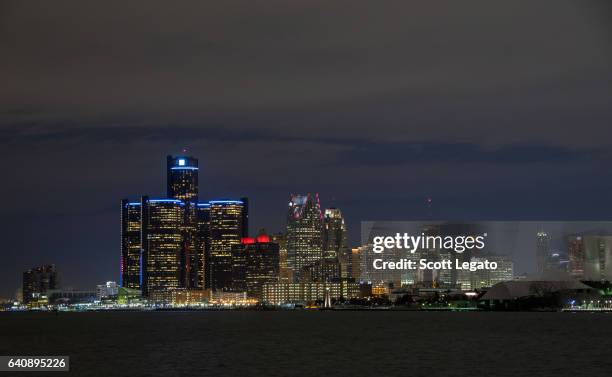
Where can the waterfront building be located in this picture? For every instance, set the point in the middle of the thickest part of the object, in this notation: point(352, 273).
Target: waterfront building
point(227, 220)
point(386, 276)
point(304, 232)
point(37, 281)
point(131, 248)
point(469, 280)
point(542, 249)
point(504, 271)
point(575, 250)
point(189, 297)
point(464, 280)
point(163, 257)
point(444, 277)
point(323, 270)
point(255, 262)
point(70, 296)
point(230, 298)
point(366, 258)
point(597, 257)
point(285, 293)
point(106, 290)
point(203, 244)
point(556, 262)
point(335, 241)
point(285, 273)
point(355, 264)
point(127, 296)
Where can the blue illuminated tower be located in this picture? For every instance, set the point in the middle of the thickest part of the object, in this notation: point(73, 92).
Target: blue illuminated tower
point(182, 175)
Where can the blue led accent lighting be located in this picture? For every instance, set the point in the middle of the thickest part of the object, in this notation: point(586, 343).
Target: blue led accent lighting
point(226, 202)
point(175, 201)
point(184, 168)
point(203, 204)
point(134, 204)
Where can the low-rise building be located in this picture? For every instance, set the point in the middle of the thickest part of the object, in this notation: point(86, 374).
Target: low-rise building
point(281, 293)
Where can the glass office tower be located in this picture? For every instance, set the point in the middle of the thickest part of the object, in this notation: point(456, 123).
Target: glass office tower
point(130, 245)
point(182, 176)
point(255, 262)
point(203, 234)
point(227, 219)
point(304, 232)
point(162, 244)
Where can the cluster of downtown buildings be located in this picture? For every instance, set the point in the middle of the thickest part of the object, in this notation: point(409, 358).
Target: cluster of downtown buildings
point(181, 250)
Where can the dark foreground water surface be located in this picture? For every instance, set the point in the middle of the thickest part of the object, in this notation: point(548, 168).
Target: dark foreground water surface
point(314, 343)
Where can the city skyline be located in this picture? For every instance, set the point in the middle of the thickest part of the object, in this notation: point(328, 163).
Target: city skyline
point(507, 124)
point(243, 187)
point(178, 198)
point(195, 232)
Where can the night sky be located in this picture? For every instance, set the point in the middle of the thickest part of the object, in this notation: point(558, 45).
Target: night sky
point(495, 110)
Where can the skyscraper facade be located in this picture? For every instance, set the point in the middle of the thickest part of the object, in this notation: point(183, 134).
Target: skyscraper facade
point(182, 178)
point(191, 253)
point(130, 245)
point(304, 232)
point(504, 271)
point(334, 234)
point(179, 242)
point(226, 230)
point(285, 273)
point(575, 251)
point(542, 250)
point(203, 234)
point(335, 241)
point(37, 281)
point(597, 257)
point(162, 244)
point(255, 262)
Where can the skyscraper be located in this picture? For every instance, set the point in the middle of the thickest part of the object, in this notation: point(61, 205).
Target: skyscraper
point(335, 241)
point(575, 251)
point(285, 273)
point(162, 244)
point(182, 184)
point(334, 234)
point(597, 257)
point(504, 271)
point(182, 177)
point(255, 262)
point(323, 270)
point(130, 245)
point(556, 262)
point(191, 253)
point(304, 232)
point(203, 248)
point(542, 250)
point(227, 218)
point(37, 281)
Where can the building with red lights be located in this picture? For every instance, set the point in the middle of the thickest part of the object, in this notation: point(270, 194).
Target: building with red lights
point(255, 262)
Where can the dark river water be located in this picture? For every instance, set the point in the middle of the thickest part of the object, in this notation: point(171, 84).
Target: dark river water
point(314, 343)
